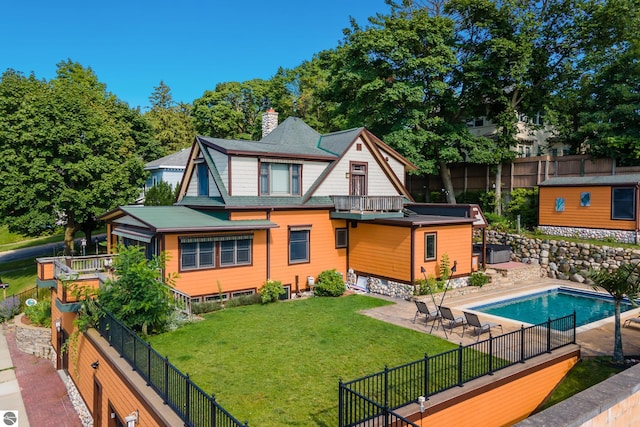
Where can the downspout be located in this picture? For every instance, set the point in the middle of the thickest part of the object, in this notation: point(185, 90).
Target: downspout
point(413, 262)
point(268, 249)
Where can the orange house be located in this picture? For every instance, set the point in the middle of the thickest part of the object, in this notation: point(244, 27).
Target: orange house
point(591, 206)
point(290, 206)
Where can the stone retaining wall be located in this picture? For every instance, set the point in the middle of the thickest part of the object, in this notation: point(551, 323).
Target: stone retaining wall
point(560, 259)
point(34, 340)
point(623, 236)
point(402, 290)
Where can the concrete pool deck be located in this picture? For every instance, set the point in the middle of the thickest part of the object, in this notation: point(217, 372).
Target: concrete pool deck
point(596, 340)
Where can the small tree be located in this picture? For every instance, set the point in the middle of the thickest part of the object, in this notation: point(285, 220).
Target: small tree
point(161, 194)
point(621, 283)
point(271, 291)
point(138, 296)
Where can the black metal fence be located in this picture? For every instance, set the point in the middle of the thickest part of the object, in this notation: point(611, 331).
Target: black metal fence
point(195, 407)
point(372, 399)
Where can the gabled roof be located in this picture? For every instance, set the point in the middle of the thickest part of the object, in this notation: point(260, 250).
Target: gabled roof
point(179, 219)
point(172, 161)
point(631, 179)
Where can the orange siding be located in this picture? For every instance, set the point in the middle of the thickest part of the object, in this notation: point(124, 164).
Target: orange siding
point(505, 405)
point(381, 250)
point(453, 240)
point(247, 215)
point(205, 282)
point(598, 215)
point(45, 270)
point(322, 247)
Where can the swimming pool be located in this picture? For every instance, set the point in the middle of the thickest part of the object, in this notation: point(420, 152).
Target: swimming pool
point(554, 303)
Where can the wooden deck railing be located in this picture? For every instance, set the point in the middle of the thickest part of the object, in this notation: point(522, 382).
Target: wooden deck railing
point(368, 203)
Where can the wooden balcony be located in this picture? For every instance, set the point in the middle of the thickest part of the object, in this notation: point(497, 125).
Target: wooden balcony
point(367, 207)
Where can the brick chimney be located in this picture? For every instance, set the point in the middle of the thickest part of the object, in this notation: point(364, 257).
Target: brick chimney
point(269, 121)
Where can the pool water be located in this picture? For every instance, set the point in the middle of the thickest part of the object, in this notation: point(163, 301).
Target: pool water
point(537, 308)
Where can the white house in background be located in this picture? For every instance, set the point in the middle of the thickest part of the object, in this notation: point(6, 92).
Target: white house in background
point(168, 169)
point(532, 137)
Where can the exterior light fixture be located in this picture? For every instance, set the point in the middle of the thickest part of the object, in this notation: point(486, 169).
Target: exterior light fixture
point(95, 364)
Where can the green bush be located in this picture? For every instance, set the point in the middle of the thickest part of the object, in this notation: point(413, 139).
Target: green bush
point(497, 222)
point(205, 307)
point(478, 279)
point(271, 291)
point(244, 300)
point(330, 284)
point(423, 286)
point(40, 314)
point(524, 202)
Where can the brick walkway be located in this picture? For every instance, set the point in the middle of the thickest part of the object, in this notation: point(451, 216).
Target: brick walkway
point(43, 391)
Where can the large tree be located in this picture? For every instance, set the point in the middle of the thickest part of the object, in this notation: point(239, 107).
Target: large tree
point(69, 151)
point(394, 77)
point(171, 122)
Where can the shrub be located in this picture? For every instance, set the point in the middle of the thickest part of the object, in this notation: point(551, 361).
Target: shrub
point(497, 222)
point(205, 307)
point(524, 202)
point(244, 300)
point(9, 307)
point(40, 314)
point(271, 291)
point(423, 286)
point(478, 279)
point(330, 284)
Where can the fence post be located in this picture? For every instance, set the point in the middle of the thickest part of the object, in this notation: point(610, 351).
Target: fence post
point(340, 403)
point(548, 334)
point(425, 392)
point(386, 395)
point(186, 400)
point(522, 344)
point(460, 365)
point(166, 379)
point(213, 410)
point(490, 353)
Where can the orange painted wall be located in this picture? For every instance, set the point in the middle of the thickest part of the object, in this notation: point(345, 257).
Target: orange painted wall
point(45, 270)
point(505, 405)
point(385, 251)
point(247, 215)
point(381, 250)
point(453, 240)
point(322, 247)
point(205, 282)
point(598, 215)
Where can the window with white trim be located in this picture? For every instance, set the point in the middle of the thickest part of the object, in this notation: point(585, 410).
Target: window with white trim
point(279, 179)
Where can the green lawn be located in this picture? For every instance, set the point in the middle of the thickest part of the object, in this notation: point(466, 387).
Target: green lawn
point(20, 275)
point(279, 364)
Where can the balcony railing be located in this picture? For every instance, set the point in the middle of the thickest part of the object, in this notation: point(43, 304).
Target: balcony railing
point(368, 203)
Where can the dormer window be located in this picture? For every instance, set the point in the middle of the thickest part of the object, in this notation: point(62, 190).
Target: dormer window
point(279, 179)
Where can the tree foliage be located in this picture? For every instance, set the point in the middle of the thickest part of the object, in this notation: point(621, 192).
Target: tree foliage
point(172, 123)
point(139, 295)
point(161, 194)
point(624, 282)
point(69, 151)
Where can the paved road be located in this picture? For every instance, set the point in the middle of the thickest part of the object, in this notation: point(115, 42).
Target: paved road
point(48, 249)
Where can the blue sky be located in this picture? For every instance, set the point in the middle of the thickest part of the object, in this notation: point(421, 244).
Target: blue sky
point(191, 45)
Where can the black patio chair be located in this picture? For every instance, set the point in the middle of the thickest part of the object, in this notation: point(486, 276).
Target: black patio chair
point(423, 309)
point(479, 327)
point(451, 320)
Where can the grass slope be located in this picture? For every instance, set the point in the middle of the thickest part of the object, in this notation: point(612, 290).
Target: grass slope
point(279, 364)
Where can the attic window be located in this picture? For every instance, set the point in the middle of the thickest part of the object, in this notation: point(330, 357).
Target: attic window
point(358, 147)
point(279, 179)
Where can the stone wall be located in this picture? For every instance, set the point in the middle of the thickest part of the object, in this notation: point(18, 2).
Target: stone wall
point(402, 290)
point(623, 236)
point(560, 259)
point(34, 340)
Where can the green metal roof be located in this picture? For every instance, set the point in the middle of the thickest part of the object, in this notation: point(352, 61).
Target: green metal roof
point(182, 218)
point(630, 179)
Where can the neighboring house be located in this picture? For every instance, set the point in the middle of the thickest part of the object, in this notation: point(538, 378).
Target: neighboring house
point(533, 137)
point(591, 207)
point(168, 169)
point(290, 206)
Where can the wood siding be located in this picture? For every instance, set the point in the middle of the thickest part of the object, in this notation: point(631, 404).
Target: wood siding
point(245, 176)
point(311, 171)
point(378, 183)
point(502, 406)
point(222, 164)
point(322, 247)
point(453, 240)
point(205, 282)
point(598, 215)
point(381, 250)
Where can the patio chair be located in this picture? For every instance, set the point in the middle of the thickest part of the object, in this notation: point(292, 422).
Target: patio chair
point(631, 320)
point(451, 320)
point(479, 327)
point(423, 309)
